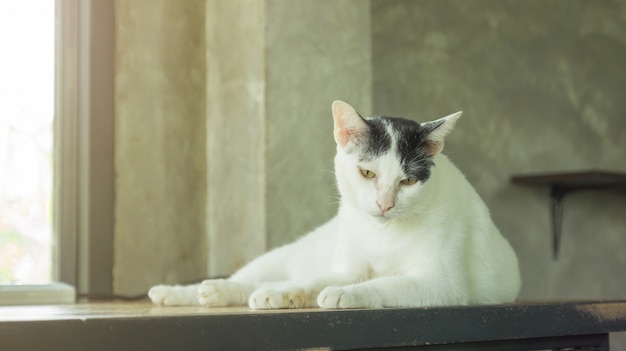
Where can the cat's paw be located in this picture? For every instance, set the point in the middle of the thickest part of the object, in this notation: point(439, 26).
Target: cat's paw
point(284, 297)
point(220, 293)
point(158, 294)
point(167, 295)
point(341, 297)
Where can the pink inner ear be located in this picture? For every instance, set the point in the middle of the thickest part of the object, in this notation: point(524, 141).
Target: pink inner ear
point(343, 136)
point(348, 124)
point(433, 147)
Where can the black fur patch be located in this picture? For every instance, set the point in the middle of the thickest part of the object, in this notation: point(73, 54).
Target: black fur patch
point(377, 141)
point(411, 137)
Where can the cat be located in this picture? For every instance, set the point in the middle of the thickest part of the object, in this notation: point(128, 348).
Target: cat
point(410, 232)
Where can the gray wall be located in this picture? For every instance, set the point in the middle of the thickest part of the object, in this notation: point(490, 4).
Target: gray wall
point(160, 143)
point(223, 129)
point(317, 52)
point(273, 72)
point(542, 85)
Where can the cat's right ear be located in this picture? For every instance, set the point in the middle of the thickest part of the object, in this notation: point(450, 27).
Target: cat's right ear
point(349, 125)
point(437, 130)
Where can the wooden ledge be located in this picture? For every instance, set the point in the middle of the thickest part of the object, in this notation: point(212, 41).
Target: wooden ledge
point(138, 326)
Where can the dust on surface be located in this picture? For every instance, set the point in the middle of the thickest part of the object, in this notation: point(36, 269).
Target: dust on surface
point(605, 312)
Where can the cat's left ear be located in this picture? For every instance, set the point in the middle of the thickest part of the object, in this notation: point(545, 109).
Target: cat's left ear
point(349, 125)
point(437, 131)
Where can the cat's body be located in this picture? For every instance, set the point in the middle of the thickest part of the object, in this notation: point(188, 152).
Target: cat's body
point(410, 231)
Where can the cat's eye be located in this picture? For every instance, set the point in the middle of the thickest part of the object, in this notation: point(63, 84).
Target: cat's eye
point(367, 173)
point(408, 181)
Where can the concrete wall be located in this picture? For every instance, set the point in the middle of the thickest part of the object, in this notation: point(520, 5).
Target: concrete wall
point(273, 71)
point(541, 84)
point(234, 95)
point(317, 52)
point(160, 157)
point(235, 132)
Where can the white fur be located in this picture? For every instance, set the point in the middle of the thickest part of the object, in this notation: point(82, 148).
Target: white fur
point(436, 246)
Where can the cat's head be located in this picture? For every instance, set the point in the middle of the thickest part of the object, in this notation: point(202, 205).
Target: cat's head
point(382, 163)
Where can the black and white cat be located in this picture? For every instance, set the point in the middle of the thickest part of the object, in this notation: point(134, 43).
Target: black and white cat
point(410, 231)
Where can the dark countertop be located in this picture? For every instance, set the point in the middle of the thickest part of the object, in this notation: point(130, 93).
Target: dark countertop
point(140, 325)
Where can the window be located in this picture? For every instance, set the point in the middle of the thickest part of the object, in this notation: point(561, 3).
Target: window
point(84, 144)
point(26, 124)
point(80, 160)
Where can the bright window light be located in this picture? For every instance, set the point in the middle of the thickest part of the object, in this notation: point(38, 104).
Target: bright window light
point(26, 140)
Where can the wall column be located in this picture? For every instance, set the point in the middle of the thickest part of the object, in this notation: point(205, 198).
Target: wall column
point(235, 35)
point(160, 144)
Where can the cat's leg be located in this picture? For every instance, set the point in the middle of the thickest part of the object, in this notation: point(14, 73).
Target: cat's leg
point(294, 294)
point(227, 292)
point(267, 271)
point(271, 266)
point(395, 291)
point(285, 295)
point(224, 292)
point(210, 293)
point(174, 295)
point(235, 291)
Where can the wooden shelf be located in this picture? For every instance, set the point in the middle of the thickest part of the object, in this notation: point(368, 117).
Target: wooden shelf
point(566, 182)
point(143, 326)
point(583, 179)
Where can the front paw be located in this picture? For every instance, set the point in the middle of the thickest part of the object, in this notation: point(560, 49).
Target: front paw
point(274, 298)
point(338, 297)
point(220, 293)
point(163, 295)
point(213, 293)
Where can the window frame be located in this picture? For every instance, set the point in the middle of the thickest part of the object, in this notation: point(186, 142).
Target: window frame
point(84, 173)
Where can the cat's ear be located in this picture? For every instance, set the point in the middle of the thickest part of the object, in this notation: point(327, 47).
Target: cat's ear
point(349, 125)
point(437, 131)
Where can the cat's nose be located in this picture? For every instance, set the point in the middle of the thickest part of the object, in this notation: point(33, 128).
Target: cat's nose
point(385, 205)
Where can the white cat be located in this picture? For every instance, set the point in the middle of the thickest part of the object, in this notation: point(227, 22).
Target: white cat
point(410, 231)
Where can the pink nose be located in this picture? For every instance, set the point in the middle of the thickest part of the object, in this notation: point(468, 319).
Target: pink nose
point(385, 205)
